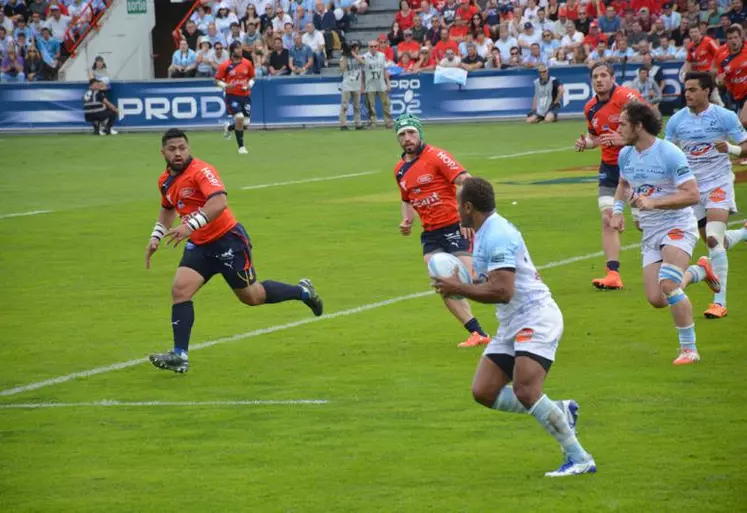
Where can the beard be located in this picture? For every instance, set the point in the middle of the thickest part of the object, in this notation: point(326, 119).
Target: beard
point(180, 166)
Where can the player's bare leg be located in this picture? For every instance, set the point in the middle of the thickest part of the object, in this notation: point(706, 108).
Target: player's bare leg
point(611, 248)
point(461, 309)
point(186, 284)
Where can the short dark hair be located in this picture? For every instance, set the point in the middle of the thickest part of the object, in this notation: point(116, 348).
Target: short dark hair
point(479, 192)
point(645, 115)
point(705, 79)
point(600, 64)
point(173, 133)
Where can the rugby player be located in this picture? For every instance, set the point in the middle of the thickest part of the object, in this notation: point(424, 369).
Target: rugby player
point(702, 131)
point(701, 54)
point(215, 244)
point(602, 117)
point(427, 178)
point(236, 77)
point(663, 189)
point(731, 70)
point(531, 326)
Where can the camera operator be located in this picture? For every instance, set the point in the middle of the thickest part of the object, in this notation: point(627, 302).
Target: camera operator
point(98, 110)
point(351, 65)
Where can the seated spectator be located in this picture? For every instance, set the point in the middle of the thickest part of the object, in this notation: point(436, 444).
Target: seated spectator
point(463, 45)
point(33, 66)
point(572, 9)
point(428, 13)
point(593, 37)
point(505, 41)
point(548, 96)
point(559, 59)
point(235, 34)
point(202, 18)
point(279, 59)
point(21, 28)
point(11, 69)
point(267, 17)
point(395, 35)
point(223, 19)
point(483, 45)
point(448, 13)
point(459, 30)
point(514, 59)
point(251, 17)
point(280, 21)
point(37, 6)
point(409, 45)
point(433, 35)
point(59, 5)
point(492, 15)
point(535, 57)
point(22, 45)
point(600, 54)
point(572, 38)
point(494, 59)
point(418, 30)
point(610, 22)
point(192, 34)
point(426, 60)
point(387, 50)
point(477, 26)
point(548, 45)
point(288, 35)
point(405, 16)
point(656, 33)
point(681, 54)
point(215, 36)
point(579, 55)
point(671, 18)
point(268, 37)
point(218, 57)
point(15, 9)
point(645, 20)
point(472, 61)
point(315, 40)
point(692, 14)
point(259, 58)
point(621, 53)
point(301, 58)
point(737, 13)
point(99, 72)
point(466, 10)
point(530, 12)
point(636, 35)
point(407, 63)
point(712, 14)
point(56, 22)
point(6, 42)
point(560, 27)
point(444, 44)
point(528, 38)
point(666, 51)
point(643, 51)
point(646, 85)
point(49, 47)
point(450, 60)
point(681, 32)
point(583, 23)
point(301, 17)
point(183, 62)
point(719, 32)
point(205, 66)
point(252, 34)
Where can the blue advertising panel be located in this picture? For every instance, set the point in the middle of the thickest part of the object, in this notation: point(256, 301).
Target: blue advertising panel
point(298, 101)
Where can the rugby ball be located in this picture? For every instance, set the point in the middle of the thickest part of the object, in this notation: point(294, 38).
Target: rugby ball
point(442, 265)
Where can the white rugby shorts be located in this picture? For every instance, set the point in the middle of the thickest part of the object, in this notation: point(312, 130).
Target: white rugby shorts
point(538, 332)
point(683, 236)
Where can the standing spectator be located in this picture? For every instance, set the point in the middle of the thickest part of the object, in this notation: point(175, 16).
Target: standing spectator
point(648, 88)
point(352, 85)
point(494, 60)
point(450, 60)
point(11, 69)
point(610, 22)
point(527, 38)
point(99, 71)
point(666, 50)
point(535, 57)
point(301, 58)
point(405, 15)
point(395, 35)
point(377, 84)
point(33, 66)
point(472, 61)
point(183, 62)
point(418, 30)
point(98, 110)
point(279, 60)
point(671, 18)
point(548, 95)
point(49, 47)
point(315, 40)
point(205, 67)
point(192, 34)
point(57, 23)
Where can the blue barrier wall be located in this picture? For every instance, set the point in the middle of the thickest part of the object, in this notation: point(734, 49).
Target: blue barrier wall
point(296, 101)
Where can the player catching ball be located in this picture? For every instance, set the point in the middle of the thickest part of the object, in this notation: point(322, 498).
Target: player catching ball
point(427, 178)
point(215, 244)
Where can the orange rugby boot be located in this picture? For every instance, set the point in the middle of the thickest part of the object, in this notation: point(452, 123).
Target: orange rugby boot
point(475, 339)
point(710, 277)
point(715, 311)
point(686, 357)
point(610, 282)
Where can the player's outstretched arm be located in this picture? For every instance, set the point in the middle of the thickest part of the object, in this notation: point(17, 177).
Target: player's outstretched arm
point(166, 218)
point(497, 288)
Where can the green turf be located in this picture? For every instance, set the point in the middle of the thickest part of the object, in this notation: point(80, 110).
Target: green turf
point(400, 432)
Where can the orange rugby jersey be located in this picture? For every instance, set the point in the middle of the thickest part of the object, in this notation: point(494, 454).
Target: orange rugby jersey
point(237, 75)
point(427, 183)
point(605, 117)
point(189, 191)
point(701, 56)
point(734, 68)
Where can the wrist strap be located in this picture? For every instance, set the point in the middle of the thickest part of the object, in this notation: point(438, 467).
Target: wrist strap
point(159, 231)
point(734, 149)
point(197, 220)
point(619, 207)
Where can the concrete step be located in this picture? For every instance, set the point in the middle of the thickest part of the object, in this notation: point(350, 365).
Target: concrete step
point(375, 20)
point(331, 72)
point(364, 36)
point(382, 5)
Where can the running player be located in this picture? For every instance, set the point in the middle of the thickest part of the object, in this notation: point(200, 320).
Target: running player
point(427, 178)
point(731, 69)
point(215, 244)
point(663, 189)
point(701, 54)
point(701, 131)
point(602, 117)
point(531, 326)
point(236, 78)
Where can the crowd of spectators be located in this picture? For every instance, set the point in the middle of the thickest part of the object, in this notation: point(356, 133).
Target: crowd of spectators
point(35, 35)
point(527, 33)
point(281, 37)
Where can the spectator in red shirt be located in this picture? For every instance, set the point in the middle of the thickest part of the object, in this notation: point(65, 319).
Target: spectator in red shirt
point(439, 51)
point(408, 46)
point(405, 15)
point(426, 61)
point(384, 48)
point(406, 63)
point(459, 30)
point(654, 6)
point(591, 41)
point(571, 10)
point(465, 11)
point(644, 18)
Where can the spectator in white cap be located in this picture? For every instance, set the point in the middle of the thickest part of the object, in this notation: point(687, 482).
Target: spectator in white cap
point(527, 38)
point(224, 18)
point(205, 59)
point(56, 22)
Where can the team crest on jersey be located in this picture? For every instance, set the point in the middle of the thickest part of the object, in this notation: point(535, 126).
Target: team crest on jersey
point(180, 204)
point(594, 122)
point(646, 190)
point(614, 118)
point(187, 192)
point(424, 179)
point(524, 335)
point(697, 150)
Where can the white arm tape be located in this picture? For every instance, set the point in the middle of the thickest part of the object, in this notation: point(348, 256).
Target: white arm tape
point(251, 83)
point(589, 142)
point(197, 220)
point(734, 149)
point(221, 84)
point(159, 231)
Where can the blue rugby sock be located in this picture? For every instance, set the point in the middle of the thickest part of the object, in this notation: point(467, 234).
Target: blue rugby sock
point(687, 337)
point(720, 264)
point(473, 325)
point(552, 419)
point(182, 319)
point(277, 292)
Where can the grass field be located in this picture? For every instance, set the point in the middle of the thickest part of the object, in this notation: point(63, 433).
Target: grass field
point(399, 430)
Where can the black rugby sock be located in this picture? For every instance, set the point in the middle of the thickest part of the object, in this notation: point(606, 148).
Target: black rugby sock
point(473, 325)
point(239, 137)
point(277, 292)
point(182, 319)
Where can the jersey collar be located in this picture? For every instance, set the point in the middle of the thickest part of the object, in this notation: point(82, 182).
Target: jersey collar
point(612, 91)
point(417, 153)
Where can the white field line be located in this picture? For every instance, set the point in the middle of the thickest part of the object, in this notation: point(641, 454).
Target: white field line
point(307, 180)
point(106, 404)
point(533, 152)
point(23, 214)
point(273, 329)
